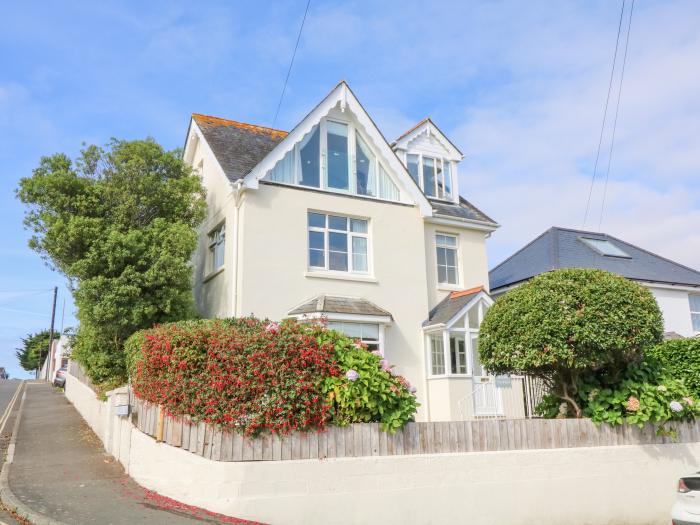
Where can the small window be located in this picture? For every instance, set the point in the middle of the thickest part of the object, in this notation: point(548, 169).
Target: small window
point(412, 165)
point(458, 354)
point(429, 176)
point(437, 355)
point(338, 243)
point(309, 160)
point(695, 311)
point(217, 243)
point(368, 333)
point(446, 246)
point(605, 247)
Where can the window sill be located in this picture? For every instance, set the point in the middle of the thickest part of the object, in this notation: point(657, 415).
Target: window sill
point(451, 376)
point(340, 276)
point(444, 287)
point(213, 274)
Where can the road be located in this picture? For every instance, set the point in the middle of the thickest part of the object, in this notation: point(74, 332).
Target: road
point(8, 389)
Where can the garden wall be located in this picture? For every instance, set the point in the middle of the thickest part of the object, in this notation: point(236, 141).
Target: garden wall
point(593, 483)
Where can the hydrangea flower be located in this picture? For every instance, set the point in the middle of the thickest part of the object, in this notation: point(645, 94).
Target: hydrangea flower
point(632, 404)
point(412, 389)
point(377, 353)
point(385, 365)
point(352, 375)
point(358, 345)
point(272, 327)
point(688, 401)
point(675, 406)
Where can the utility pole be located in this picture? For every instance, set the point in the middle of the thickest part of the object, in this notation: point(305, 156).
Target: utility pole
point(53, 318)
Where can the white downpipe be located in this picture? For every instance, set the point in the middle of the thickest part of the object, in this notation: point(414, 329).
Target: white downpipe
point(238, 190)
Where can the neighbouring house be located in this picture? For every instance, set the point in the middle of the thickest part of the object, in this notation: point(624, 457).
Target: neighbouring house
point(329, 220)
point(675, 286)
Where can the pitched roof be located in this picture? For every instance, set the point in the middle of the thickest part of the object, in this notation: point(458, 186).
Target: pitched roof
point(463, 210)
point(238, 146)
point(450, 306)
point(426, 120)
point(327, 304)
point(563, 248)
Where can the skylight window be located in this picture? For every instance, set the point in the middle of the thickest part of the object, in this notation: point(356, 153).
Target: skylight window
point(605, 247)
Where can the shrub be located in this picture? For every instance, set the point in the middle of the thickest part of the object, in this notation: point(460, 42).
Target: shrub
point(681, 360)
point(250, 375)
point(368, 390)
point(563, 324)
point(641, 394)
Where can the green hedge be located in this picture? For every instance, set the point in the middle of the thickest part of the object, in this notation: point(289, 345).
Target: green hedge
point(254, 375)
point(681, 360)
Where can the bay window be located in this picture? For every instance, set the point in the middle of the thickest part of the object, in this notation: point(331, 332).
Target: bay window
point(338, 243)
point(335, 156)
point(367, 333)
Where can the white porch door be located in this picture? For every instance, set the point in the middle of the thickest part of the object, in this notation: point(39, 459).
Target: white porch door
point(487, 396)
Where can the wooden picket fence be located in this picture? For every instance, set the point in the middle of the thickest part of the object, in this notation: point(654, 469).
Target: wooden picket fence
point(366, 439)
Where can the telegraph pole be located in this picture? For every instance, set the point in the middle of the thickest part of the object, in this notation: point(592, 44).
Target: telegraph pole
point(53, 318)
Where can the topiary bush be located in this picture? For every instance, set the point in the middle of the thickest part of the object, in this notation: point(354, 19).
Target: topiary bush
point(566, 323)
point(681, 360)
point(250, 376)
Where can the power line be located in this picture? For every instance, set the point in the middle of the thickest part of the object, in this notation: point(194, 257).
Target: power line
point(617, 110)
point(605, 114)
point(291, 63)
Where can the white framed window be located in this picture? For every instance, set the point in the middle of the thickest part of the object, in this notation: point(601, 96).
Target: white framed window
point(447, 265)
point(338, 243)
point(694, 300)
point(368, 333)
point(433, 174)
point(217, 244)
point(437, 355)
point(454, 351)
point(334, 156)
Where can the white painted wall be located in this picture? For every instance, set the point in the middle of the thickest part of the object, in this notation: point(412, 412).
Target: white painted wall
point(675, 307)
point(621, 485)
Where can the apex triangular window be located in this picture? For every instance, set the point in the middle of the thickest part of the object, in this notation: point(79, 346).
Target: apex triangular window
point(335, 156)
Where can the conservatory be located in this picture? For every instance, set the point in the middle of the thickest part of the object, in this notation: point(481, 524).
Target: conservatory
point(458, 386)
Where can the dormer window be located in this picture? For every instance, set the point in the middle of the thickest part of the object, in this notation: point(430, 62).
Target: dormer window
point(334, 156)
point(432, 174)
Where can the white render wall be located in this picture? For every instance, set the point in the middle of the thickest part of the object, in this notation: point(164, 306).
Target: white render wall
point(675, 307)
point(275, 277)
point(620, 485)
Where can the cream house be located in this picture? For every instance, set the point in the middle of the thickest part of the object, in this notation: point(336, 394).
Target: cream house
point(330, 220)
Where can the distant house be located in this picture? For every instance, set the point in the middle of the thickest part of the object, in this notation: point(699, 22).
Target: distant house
point(675, 286)
point(331, 220)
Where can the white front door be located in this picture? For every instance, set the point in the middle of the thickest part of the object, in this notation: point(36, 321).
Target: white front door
point(487, 396)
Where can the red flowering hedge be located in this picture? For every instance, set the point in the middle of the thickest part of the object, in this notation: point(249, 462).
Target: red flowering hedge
point(250, 375)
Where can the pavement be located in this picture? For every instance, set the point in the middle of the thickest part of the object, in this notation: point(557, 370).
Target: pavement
point(59, 472)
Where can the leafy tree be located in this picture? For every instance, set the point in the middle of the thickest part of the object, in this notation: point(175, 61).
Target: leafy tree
point(566, 323)
point(120, 223)
point(34, 349)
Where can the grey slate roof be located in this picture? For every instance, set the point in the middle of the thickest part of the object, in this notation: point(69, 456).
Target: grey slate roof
point(237, 146)
point(338, 305)
point(463, 210)
point(563, 248)
point(446, 309)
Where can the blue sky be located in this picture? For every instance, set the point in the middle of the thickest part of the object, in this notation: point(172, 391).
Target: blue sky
point(518, 86)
